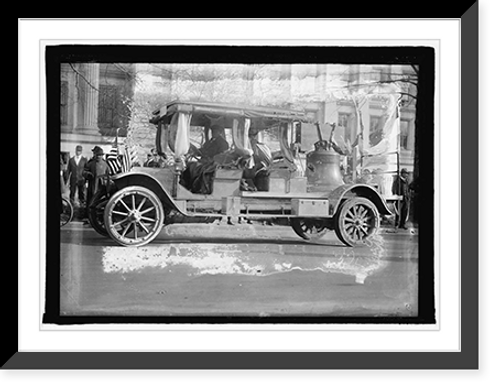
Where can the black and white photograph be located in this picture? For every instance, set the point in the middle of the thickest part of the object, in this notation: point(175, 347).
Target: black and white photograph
point(230, 184)
point(223, 196)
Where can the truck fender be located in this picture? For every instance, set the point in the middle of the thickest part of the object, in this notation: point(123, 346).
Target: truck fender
point(344, 192)
point(143, 179)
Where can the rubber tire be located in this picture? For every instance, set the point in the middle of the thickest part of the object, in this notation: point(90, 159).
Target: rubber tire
point(95, 219)
point(296, 225)
point(341, 224)
point(154, 199)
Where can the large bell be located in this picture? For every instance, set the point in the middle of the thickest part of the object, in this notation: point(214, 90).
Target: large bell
point(323, 170)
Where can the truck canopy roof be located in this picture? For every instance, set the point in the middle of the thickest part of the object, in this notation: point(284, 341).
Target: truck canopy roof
point(201, 110)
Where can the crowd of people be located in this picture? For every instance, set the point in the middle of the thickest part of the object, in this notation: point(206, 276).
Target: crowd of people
point(84, 177)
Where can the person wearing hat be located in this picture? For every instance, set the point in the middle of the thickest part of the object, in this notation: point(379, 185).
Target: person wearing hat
point(95, 171)
point(75, 173)
point(401, 188)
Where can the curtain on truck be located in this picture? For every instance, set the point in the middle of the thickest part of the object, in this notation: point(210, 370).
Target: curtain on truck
point(176, 135)
point(241, 140)
point(285, 135)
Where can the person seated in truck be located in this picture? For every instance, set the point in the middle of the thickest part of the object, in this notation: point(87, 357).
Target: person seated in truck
point(198, 176)
point(256, 176)
point(216, 145)
point(154, 160)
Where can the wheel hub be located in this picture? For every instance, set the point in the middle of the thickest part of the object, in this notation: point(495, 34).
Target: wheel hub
point(134, 216)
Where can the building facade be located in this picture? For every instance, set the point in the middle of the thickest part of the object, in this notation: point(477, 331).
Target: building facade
point(100, 100)
point(94, 105)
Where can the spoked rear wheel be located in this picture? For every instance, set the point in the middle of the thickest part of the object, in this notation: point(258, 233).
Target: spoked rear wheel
point(309, 229)
point(96, 212)
point(66, 212)
point(356, 221)
point(134, 216)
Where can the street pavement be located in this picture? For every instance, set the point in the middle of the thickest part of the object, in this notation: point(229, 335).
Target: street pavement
point(254, 270)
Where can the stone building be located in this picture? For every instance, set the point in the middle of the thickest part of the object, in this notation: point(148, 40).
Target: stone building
point(98, 99)
point(94, 104)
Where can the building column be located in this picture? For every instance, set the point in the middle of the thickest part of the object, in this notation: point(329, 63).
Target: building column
point(87, 84)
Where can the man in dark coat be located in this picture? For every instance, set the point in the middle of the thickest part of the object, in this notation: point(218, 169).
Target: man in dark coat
point(95, 172)
point(75, 172)
point(217, 144)
point(401, 188)
point(201, 172)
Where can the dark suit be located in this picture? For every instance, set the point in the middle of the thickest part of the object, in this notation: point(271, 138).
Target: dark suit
point(76, 180)
point(213, 147)
point(198, 177)
point(400, 187)
point(95, 172)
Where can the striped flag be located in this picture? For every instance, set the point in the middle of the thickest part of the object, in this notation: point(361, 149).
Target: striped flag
point(121, 162)
point(134, 157)
point(130, 157)
point(127, 163)
point(113, 160)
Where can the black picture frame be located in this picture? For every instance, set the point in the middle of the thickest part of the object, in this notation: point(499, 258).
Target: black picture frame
point(466, 358)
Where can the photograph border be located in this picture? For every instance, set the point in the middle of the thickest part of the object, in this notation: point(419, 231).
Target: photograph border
point(425, 57)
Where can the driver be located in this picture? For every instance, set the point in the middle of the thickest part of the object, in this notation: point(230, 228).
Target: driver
point(200, 172)
point(217, 144)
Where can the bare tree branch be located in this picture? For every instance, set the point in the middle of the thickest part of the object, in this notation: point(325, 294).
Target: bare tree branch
point(384, 82)
point(132, 75)
point(83, 77)
point(415, 83)
point(408, 94)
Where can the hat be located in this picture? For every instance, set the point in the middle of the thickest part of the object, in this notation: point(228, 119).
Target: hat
point(404, 171)
point(98, 150)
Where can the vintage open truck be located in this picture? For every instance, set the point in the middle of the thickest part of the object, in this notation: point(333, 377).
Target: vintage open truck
point(309, 193)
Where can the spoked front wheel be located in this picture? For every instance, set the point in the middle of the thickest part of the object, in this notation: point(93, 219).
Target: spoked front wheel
point(356, 221)
point(134, 216)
